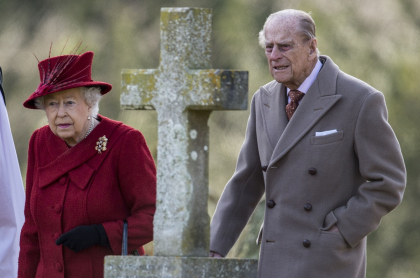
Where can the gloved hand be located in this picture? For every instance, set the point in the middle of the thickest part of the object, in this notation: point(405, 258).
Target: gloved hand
point(83, 237)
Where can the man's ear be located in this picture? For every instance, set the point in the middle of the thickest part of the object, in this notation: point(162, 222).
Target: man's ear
point(312, 48)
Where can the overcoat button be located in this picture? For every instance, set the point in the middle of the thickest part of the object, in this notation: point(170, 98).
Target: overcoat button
point(307, 206)
point(57, 208)
point(56, 236)
point(270, 204)
point(58, 267)
point(306, 243)
point(62, 180)
point(264, 168)
point(312, 171)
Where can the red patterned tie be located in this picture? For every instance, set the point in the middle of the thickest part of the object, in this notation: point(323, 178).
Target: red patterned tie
point(295, 97)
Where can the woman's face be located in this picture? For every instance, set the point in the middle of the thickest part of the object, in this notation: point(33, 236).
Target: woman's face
point(67, 114)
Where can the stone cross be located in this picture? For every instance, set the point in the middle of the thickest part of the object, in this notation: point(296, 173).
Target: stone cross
point(183, 90)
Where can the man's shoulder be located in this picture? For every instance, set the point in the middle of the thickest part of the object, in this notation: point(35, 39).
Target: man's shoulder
point(345, 83)
point(347, 80)
point(350, 85)
point(270, 87)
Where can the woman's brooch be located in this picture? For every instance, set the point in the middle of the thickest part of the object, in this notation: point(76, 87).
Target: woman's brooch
point(101, 144)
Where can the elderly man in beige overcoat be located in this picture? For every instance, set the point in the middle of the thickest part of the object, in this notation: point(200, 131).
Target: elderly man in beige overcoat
point(319, 145)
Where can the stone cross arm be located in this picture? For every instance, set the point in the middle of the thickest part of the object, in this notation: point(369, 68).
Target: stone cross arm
point(207, 89)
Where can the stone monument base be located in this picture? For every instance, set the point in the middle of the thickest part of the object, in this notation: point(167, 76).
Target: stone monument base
point(178, 267)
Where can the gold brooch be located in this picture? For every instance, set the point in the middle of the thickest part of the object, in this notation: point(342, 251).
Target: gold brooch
point(101, 144)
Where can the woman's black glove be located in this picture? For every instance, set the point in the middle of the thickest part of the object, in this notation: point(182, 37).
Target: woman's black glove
point(83, 237)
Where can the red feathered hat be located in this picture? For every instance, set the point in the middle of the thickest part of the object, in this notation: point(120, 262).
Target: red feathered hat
point(65, 72)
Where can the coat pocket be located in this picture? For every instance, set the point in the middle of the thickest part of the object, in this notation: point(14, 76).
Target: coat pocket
point(327, 139)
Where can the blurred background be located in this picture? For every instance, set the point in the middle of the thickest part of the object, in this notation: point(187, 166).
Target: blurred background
point(377, 41)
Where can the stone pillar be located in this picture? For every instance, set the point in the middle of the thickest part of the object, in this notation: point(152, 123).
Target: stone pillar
point(183, 90)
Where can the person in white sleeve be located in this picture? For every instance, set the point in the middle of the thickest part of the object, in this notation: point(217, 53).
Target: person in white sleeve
point(12, 196)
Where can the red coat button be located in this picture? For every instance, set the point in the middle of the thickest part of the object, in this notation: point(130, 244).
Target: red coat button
point(62, 180)
point(58, 267)
point(57, 208)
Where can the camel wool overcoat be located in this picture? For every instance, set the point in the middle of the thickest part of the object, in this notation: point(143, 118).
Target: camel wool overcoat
point(67, 188)
point(350, 178)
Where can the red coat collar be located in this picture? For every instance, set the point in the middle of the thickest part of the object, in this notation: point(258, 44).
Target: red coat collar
point(72, 161)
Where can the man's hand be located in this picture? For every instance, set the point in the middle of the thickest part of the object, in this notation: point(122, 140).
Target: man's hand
point(334, 229)
point(215, 255)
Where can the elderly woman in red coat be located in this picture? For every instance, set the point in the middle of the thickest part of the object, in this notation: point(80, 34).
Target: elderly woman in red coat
point(87, 174)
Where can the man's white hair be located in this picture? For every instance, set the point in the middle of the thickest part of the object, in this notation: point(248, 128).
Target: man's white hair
point(306, 26)
point(91, 95)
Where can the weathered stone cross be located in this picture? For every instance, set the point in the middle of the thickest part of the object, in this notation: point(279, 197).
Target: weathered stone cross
point(184, 90)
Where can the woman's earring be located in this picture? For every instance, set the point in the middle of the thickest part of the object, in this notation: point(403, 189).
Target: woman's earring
point(88, 117)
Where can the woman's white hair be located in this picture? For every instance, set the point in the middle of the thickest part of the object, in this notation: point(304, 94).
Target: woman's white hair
point(91, 95)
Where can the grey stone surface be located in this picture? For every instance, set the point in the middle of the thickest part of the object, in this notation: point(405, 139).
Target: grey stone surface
point(178, 267)
point(184, 91)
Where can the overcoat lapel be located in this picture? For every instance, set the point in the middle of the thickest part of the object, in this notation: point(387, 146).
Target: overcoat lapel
point(69, 160)
point(273, 103)
point(320, 97)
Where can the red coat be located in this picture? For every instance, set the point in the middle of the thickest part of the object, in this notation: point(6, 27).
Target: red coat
point(66, 188)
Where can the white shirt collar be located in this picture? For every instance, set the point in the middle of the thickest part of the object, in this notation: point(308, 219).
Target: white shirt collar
point(304, 87)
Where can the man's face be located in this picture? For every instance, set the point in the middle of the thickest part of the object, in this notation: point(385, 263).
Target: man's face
point(290, 59)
